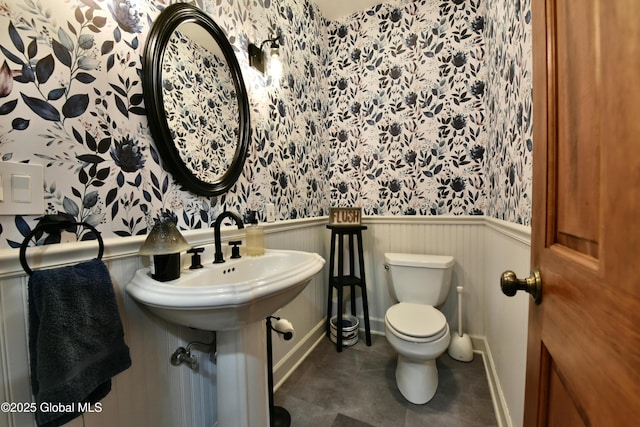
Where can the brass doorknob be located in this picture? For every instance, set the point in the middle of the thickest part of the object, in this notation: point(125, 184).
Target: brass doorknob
point(510, 284)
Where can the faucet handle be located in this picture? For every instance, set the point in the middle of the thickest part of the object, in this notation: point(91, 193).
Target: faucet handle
point(235, 250)
point(195, 258)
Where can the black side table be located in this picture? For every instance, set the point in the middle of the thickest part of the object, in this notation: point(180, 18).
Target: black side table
point(342, 279)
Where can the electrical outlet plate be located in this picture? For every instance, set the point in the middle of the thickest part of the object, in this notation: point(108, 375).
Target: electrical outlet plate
point(270, 212)
point(22, 189)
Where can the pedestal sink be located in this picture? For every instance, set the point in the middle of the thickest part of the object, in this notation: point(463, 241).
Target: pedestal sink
point(233, 298)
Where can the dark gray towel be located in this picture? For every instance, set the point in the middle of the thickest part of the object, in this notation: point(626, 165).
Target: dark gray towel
point(76, 342)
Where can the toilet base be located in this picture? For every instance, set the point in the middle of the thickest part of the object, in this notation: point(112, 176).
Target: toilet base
point(417, 380)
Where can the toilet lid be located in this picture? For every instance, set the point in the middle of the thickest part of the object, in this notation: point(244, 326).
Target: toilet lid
point(416, 320)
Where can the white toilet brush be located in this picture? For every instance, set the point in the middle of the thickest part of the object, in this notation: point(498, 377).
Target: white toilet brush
point(460, 347)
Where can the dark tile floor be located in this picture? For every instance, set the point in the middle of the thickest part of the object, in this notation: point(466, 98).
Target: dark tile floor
point(356, 388)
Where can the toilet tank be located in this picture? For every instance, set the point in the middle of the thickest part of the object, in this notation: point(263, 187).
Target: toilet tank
point(419, 278)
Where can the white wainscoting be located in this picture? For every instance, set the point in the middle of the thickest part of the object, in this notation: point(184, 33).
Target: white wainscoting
point(506, 247)
point(153, 392)
point(460, 237)
point(483, 248)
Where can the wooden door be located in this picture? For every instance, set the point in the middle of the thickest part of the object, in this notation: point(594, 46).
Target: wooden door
point(583, 364)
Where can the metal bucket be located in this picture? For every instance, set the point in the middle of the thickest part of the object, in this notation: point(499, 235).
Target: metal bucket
point(350, 326)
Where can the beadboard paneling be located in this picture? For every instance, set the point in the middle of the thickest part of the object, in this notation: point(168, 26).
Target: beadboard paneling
point(153, 392)
point(506, 247)
point(307, 310)
point(459, 237)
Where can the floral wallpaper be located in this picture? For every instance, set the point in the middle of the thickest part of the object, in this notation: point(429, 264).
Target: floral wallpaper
point(71, 100)
point(407, 125)
point(509, 107)
point(414, 107)
point(431, 109)
point(197, 88)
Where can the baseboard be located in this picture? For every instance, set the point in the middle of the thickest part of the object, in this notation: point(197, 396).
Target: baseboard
point(376, 324)
point(290, 362)
point(481, 347)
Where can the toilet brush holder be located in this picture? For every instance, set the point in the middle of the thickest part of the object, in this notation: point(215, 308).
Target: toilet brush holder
point(460, 347)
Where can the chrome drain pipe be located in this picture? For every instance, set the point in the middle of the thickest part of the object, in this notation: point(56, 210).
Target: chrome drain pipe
point(183, 355)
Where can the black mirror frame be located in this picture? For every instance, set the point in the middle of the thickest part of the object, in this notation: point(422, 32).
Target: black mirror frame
point(161, 30)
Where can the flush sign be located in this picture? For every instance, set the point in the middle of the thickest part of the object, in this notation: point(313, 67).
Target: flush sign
point(345, 216)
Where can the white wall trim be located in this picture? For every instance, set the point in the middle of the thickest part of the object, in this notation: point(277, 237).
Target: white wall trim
point(119, 247)
point(500, 407)
point(50, 256)
point(518, 232)
point(376, 325)
point(481, 348)
point(425, 219)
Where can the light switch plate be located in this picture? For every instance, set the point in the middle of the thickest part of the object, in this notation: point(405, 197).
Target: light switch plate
point(271, 212)
point(22, 189)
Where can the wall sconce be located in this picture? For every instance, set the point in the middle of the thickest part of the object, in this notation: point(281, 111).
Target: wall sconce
point(165, 243)
point(256, 55)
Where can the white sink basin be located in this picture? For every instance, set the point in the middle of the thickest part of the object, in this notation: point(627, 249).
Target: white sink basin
point(233, 299)
point(230, 295)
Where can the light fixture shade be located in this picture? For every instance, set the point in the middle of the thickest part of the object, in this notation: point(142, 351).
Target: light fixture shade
point(164, 239)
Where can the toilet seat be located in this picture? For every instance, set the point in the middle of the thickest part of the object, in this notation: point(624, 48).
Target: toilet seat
point(416, 322)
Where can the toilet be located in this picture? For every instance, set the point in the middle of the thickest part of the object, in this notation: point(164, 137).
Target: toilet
point(414, 327)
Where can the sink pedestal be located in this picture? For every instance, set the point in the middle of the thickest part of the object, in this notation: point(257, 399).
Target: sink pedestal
point(233, 298)
point(243, 399)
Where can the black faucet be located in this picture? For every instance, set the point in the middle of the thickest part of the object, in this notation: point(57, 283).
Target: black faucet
point(219, 256)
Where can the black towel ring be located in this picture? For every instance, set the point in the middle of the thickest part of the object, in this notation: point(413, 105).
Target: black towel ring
point(51, 224)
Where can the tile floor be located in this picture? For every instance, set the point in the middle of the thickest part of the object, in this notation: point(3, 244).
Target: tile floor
point(356, 388)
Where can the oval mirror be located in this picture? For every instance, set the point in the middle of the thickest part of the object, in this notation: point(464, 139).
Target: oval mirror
point(196, 100)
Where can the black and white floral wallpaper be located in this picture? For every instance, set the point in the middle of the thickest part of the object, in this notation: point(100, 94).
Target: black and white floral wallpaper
point(431, 109)
point(509, 109)
point(407, 122)
point(71, 100)
point(197, 90)
point(415, 107)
